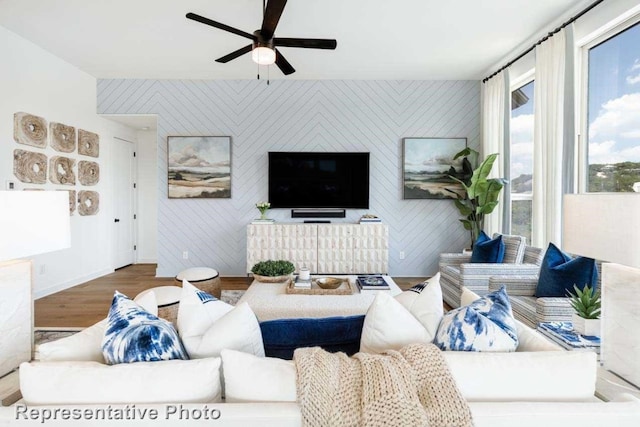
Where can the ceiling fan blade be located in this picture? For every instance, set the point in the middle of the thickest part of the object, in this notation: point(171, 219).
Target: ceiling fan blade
point(271, 17)
point(306, 43)
point(219, 25)
point(235, 54)
point(283, 64)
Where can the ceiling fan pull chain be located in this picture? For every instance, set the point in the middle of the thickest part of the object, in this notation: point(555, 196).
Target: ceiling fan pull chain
point(268, 68)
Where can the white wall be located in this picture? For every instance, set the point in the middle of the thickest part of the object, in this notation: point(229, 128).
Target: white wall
point(300, 115)
point(34, 81)
point(147, 180)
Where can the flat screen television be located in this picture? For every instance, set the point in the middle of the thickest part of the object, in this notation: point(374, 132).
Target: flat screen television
point(318, 180)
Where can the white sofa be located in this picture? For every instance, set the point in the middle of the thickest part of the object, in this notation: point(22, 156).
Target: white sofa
point(539, 385)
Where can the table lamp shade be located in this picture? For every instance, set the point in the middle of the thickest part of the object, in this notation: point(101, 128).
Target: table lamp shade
point(603, 226)
point(33, 222)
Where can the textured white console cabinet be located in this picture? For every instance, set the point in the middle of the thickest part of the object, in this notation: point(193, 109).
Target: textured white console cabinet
point(323, 248)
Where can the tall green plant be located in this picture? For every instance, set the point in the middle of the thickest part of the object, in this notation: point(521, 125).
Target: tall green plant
point(481, 194)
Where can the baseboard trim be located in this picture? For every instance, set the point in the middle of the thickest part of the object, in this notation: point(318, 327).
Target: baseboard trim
point(40, 293)
point(147, 261)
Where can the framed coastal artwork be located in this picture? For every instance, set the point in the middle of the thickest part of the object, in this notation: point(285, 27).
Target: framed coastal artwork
point(426, 166)
point(199, 167)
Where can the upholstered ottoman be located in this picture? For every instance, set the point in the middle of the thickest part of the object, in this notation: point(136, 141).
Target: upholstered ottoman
point(203, 278)
point(168, 299)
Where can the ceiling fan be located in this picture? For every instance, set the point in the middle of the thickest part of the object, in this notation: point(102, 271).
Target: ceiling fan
point(263, 43)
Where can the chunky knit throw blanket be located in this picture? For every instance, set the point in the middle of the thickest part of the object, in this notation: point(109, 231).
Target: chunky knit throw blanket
point(406, 388)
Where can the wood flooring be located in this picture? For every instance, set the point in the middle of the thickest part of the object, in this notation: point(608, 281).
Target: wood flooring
point(88, 303)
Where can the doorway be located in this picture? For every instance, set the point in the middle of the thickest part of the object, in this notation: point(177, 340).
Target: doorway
point(123, 203)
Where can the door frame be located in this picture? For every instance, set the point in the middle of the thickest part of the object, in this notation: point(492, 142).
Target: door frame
point(134, 204)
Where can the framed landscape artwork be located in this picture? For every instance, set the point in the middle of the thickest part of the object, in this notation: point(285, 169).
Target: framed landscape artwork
point(199, 167)
point(426, 165)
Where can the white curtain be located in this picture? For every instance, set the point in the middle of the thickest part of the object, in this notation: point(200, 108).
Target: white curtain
point(495, 134)
point(548, 139)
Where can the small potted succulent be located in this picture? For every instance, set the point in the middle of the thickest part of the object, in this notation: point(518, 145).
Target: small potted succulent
point(271, 271)
point(586, 303)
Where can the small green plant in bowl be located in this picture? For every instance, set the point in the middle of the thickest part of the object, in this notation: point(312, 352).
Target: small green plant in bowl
point(273, 271)
point(587, 305)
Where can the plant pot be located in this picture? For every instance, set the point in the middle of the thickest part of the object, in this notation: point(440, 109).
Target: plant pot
point(588, 327)
point(272, 279)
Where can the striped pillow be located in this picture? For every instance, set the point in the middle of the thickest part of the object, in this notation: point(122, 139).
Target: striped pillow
point(513, 248)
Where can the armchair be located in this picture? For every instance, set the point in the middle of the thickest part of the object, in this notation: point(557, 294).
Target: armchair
point(457, 272)
point(528, 308)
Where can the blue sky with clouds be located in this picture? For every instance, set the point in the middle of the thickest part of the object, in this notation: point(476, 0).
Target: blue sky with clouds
point(614, 106)
point(614, 99)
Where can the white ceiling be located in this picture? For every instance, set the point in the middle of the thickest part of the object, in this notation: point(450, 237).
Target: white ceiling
point(377, 39)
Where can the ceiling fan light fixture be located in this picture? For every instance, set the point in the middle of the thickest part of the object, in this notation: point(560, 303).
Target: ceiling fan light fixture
point(263, 55)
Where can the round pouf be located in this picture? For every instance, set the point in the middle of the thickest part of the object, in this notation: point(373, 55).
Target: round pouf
point(204, 278)
point(168, 299)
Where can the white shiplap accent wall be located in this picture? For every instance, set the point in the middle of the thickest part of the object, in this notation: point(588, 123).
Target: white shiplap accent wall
point(298, 115)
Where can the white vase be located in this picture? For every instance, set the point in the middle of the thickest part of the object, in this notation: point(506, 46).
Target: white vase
point(589, 327)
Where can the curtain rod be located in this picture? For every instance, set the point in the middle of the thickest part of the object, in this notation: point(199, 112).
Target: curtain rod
point(545, 38)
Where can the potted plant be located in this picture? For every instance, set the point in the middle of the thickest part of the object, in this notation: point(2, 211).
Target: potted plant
point(586, 303)
point(480, 196)
point(263, 207)
point(271, 271)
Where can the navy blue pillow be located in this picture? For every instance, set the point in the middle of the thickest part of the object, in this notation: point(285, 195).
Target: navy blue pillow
point(281, 337)
point(487, 250)
point(559, 272)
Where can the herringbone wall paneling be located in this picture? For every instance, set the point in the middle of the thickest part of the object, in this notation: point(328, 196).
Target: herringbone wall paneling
point(296, 115)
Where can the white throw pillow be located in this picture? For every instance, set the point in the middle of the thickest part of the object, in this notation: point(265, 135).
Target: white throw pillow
point(87, 344)
point(198, 310)
point(424, 301)
point(249, 378)
point(207, 325)
point(412, 317)
point(175, 381)
point(388, 325)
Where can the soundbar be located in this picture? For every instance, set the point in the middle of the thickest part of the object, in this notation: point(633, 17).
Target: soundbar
point(318, 213)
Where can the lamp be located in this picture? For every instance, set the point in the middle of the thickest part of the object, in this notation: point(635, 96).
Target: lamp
point(31, 222)
point(606, 226)
point(263, 55)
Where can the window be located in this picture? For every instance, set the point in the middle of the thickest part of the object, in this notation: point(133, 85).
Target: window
point(521, 160)
point(613, 112)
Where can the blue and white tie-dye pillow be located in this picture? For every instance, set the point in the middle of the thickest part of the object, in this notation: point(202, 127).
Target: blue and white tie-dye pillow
point(487, 324)
point(135, 335)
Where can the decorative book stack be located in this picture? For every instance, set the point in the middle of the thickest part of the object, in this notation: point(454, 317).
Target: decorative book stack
point(562, 333)
point(263, 221)
point(372, 283)
point(301, 284)
point(369, 219)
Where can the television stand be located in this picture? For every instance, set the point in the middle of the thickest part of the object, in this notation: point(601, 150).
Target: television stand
point(338, 248)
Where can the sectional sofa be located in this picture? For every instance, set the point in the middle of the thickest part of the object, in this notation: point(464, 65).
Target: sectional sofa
point(538, 385)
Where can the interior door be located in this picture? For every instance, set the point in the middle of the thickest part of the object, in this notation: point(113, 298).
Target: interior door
point(123, 203)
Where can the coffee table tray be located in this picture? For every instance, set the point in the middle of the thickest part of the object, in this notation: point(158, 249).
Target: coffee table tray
point(346, 288)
